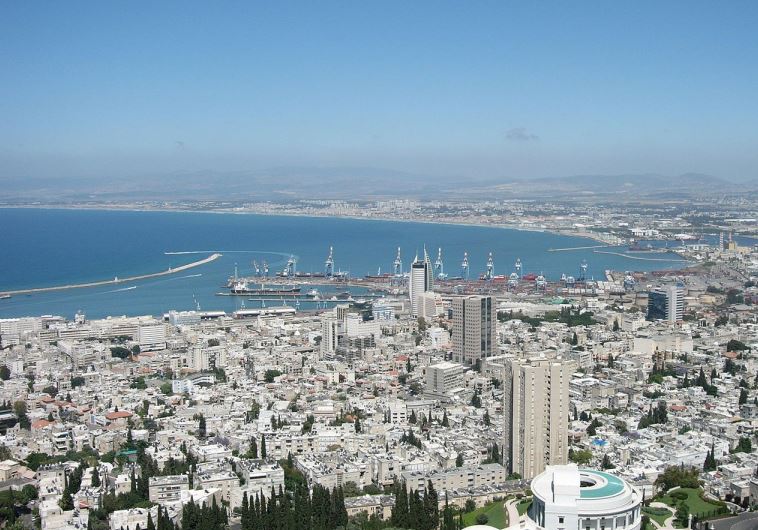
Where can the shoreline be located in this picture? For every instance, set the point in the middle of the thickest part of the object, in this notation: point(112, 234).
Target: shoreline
point(584, 235)
point(209, 259)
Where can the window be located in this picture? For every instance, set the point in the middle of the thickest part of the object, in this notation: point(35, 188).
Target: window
point(560, 520)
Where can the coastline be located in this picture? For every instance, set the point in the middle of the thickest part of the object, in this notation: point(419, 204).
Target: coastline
point(451, 222)
point(212, 257)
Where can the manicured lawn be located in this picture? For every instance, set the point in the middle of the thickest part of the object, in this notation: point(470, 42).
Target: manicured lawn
point(495, 512)
point(696, 505)
point(659, 515)
point(523, 506)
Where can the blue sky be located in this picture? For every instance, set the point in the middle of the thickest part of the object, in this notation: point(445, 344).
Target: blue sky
point(480, 89)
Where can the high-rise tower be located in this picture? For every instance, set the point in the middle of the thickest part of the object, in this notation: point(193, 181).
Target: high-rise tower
point(536, 409)
point(421, 280)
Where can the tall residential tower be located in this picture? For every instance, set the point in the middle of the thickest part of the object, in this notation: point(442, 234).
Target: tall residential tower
point(536, 409)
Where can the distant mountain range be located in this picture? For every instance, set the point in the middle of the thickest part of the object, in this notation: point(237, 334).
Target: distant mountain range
point(283, 183)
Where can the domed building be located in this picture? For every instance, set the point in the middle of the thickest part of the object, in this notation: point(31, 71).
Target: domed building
point(566, 497)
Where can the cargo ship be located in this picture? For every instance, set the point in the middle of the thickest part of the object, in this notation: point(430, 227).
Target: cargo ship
point(241, 287)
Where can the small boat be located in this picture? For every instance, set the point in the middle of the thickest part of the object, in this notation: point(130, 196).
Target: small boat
point(4, 296)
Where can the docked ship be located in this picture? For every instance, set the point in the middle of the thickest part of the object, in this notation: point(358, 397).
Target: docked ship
point(242, 287)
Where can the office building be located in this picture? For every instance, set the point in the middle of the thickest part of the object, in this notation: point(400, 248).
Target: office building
point(152, 336)
point(536, 409)
point(421, 280)
point(666, 304)
point(441, 378)
point(474, 329)
point(429, 305)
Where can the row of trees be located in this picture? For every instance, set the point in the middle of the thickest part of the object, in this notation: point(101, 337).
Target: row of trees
point(654, 416)
point(411, 510)
point(293, 510)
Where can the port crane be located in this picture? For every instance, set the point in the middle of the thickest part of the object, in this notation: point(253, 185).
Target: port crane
point(515, 276)
point(289, 269)
point(490, 272)
point(329, 264)
point(464, 266)
point(256, 268)
point(397, 265)
point(439, 266)
point(583, 271)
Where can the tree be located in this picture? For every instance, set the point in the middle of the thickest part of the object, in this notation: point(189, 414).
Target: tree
point(19, 407)
point(167, 389)
point(445, 421)
point(95, 478)
point(710, 463)
point(270, 375)
point(743, 396)
point(66, 501)
point(611, 360)
point(682, 514)
point(743, 446)
point(592, 427)
point(5, 373)
point(459, 460)
point(581, 457)
point(607, 464)
point(678, 476)
point(486, 417)
point(263, 446)
point(253, 451)
point(736, 345)
point(357, 424)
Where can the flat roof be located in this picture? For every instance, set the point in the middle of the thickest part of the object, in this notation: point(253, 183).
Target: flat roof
point(610, 486)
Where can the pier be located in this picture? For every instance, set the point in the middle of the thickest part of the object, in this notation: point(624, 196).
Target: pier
point(212, 257)
point(639, 257)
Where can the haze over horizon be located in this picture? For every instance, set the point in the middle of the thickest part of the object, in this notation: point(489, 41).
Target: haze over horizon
point(487, 90)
